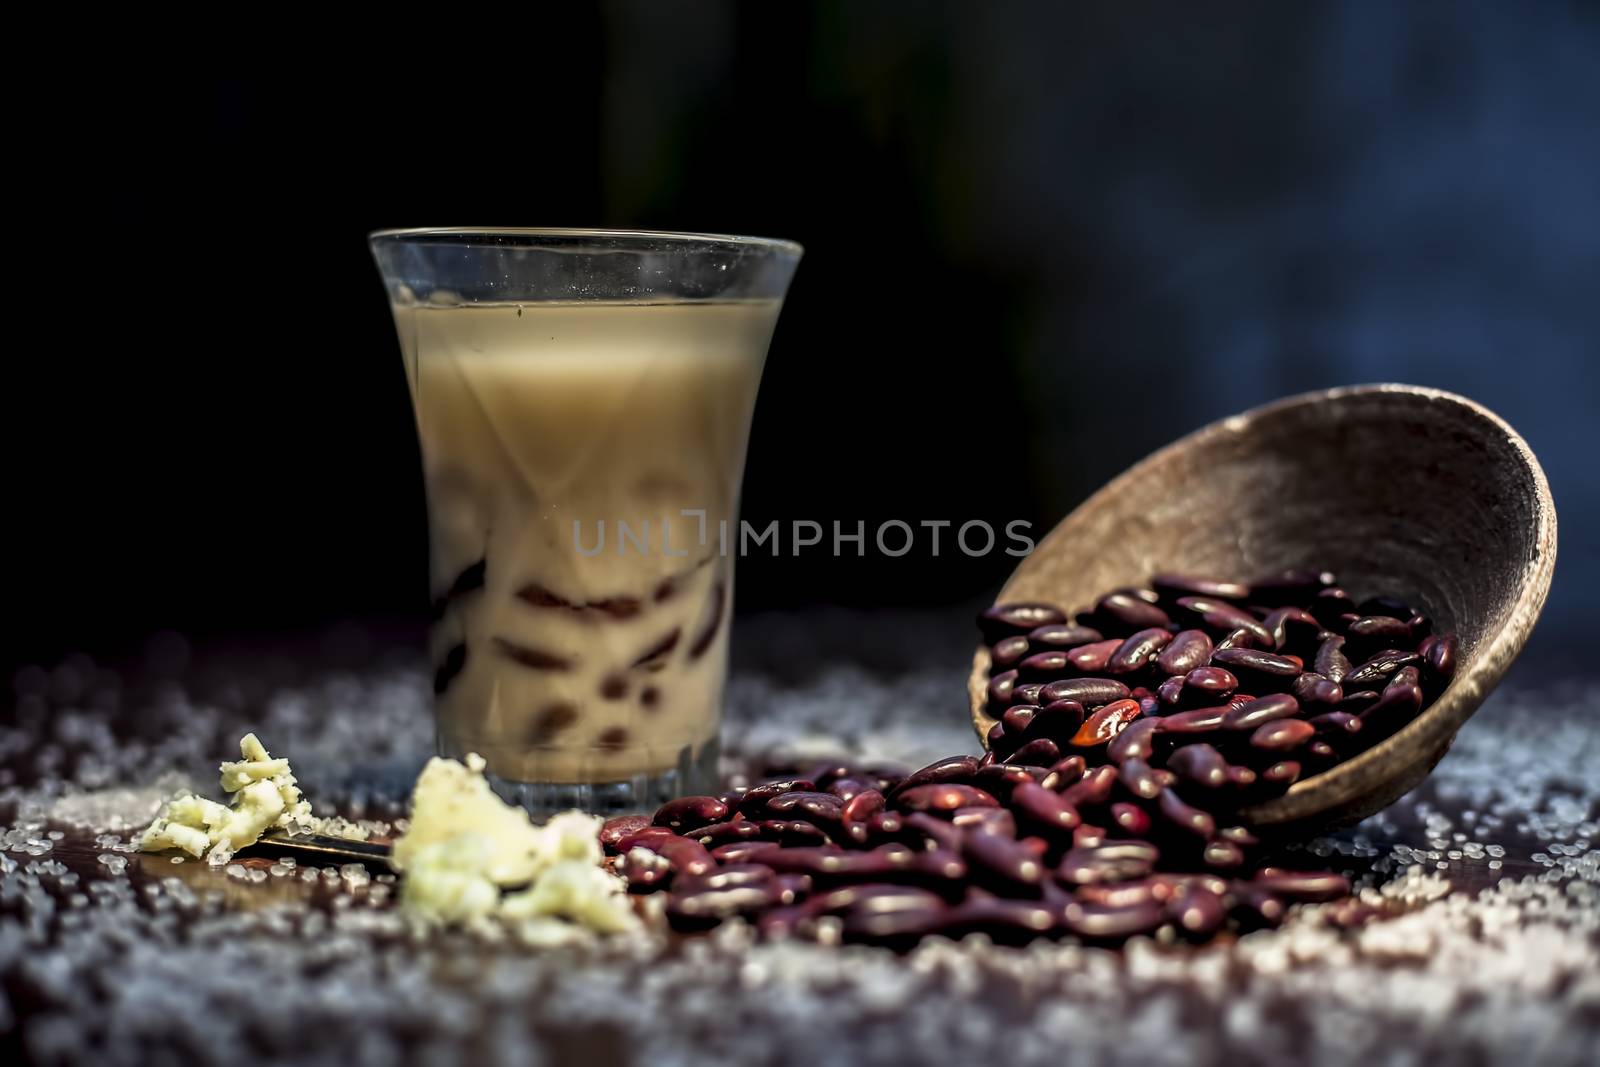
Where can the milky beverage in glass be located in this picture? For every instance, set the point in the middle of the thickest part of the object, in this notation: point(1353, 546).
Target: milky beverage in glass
point(582, 460)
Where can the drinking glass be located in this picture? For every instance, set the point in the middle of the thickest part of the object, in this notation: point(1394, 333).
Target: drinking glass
point(583, 400)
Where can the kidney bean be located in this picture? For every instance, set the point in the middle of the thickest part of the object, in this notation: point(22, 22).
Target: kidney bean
point(1005, 620)
point(1319, 750)
point(1068, 772)
point(942, 797)
point(1237, 639)
point(1223, 855)
point(1170, 692)
point(1290, 587)
point(1002, 864)
point(1211, 681)
point(1093, 790)
point(1139, 779)
point(1377, 669)
point(1329, 605)
point(1106, 723)
point(1187, 650)
point(985, 820)
point(1063, 636)
point(686, 857)
point(873, 896)
point(1028, 693)
point(1122, 613)
point(1380, 629)
point(1039, 809)
point(1138, 650)
point(1282, 773)
point(706, 908)
point(1004, 921)
point(1260, 670)
point(1198, 721)
point(1090, 658)
point(792, 832)
point(1241, 777)
point(846, 789)
point(941, 833)
point(1259, 711)
point(1136, 741)
point(1200, 764)
point(1335, 723)
point(1089, 692)
point(1222, 617)
point(754, 802)
point(1058, 721)
point(1042, 666)
point(821, 809)
point(726, 833)
point(612, 831)
point(1018, 718)
point(1439, 656)
point(1175, 586)
point(949, 769)
point(1254, 908)
point(644, 838)
point(862, 806)
point(1109, 861)
point(1040, 752)
point(742, 851)
point(1008, 652)
point(1284, 735)
point(1311, 887)
point(1197, 912)
point(689, 813)
point(1130, 819)
point(1355, 703)
point(1312, 688)
point(1330, 660)
point(998, 781)
point(999, 740)
point(1185, 816)
point(1421, 626)
point(1001, 687)
point(728, 876)
point(1401, 699)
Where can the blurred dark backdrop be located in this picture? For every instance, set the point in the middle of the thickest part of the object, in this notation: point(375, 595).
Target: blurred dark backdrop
point(1016, 218)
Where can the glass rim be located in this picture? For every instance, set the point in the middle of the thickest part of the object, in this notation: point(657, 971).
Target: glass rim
point(405, 233)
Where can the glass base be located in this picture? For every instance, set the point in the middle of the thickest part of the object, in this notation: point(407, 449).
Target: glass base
point(641, 794)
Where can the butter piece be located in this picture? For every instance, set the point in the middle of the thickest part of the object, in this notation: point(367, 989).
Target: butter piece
point(265, 795)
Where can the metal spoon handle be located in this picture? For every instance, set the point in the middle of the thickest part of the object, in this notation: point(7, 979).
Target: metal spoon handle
point(322, 847)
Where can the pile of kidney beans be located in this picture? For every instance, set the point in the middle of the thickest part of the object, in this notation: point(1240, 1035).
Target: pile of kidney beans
point(1126, 741)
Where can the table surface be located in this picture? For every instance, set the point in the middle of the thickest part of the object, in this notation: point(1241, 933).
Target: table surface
point(114, 956)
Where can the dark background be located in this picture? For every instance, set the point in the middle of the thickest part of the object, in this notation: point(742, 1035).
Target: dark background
point(1017, 218)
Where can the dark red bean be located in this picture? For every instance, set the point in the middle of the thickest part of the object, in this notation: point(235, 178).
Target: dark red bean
point(1131, 819)
point(1174, 586)
point(754, 802)
point(1329, 605)
point(1058, 721)
point(844, 788)
point(1357, 702)
point(986, 820)
point(1139, 779)
point(1239, 639)
point(1401, 699)
point(1311, 887)
point(1213, 681)
point(690, 813)
point(1106, 723)
point(1042, 666)
point(727, 876)
point(1097, 923)
point(1421, 626)
point(1261, 710)
point(1285, 735)
point(998, 781)
point(1378, 669)
point(1003, 865)
point(1200, 764)
point(726, 833)
point(949, 769)
point(1221, 617)
point(1091, 658)
point(1001, 687)
point(1009, 652)
point(612, 831)
point(1123, 613)
point(1315, 689)
point(1028, 693)
point(644, 871)
point(1186, 816)
point(942, 797)
point(1330, 661)
point(1039, 809)
point(1018, 718)
point(1259, 669)
point(1136, 741)
point(1336, 723)
point(1223, 855)
point(862, 806)
point(1381, 629)
point(1198, 721)
point(704, 909)
point(821, 808)
point(1067, 772)
point(686, 857)
point(743, 851)
point(1291, 627)
point(1004, 921)
point(1093, 790)
point(1110, 861)
point(1063, 636)
point(941, 833)
point(1255, 908)
point(1241, 776)
point(1289, 587)
point(1170, 694)
point(1040, 752)
point(1004, 620)
point(999, 740)
point(643, 838)
point(1090, 692)
point(886, 897)
point(792, 833)
point(1186, 651)
point(1138, 650)
point(1440, 657)
point(1196, 912)
point(1282, 773)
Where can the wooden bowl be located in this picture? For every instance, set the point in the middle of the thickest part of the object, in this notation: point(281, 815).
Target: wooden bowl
point(1395, 488)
